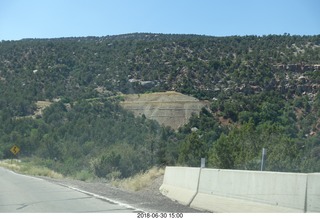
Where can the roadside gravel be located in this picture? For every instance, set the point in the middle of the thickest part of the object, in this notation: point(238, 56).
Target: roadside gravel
point(148, 199)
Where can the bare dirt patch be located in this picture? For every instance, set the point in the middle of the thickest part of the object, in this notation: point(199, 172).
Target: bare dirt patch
point(41, 105)
point(168, 108)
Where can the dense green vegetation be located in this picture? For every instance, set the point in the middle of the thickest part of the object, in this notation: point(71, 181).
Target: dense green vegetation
point(263, 90)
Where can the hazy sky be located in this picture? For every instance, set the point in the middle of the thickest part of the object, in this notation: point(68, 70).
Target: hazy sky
point(72, 18)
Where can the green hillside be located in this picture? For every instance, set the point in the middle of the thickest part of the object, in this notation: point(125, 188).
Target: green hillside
point(263, 91)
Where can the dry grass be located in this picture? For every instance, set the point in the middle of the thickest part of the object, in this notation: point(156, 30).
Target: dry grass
point(13, 165)
point(29, 169)
point(139, 181)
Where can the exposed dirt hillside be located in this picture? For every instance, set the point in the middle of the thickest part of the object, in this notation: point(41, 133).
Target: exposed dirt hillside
point(169, 108)
point(41, 105)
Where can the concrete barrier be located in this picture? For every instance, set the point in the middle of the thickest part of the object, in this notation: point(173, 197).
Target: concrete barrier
point(250, 191)
point(313, 193)
point(180, 184)
point(242, 191)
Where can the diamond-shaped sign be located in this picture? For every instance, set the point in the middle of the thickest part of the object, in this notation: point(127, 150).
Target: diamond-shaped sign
point(15, 149)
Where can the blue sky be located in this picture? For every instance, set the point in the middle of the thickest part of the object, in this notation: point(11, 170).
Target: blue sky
point(72, 18)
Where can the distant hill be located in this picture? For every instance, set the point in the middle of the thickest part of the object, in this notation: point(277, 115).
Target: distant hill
point(201, 66)
point(76, 100)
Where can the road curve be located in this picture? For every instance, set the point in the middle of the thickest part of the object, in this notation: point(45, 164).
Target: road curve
point(26, 194)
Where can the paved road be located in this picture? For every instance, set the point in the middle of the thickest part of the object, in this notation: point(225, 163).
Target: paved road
point(25, 194)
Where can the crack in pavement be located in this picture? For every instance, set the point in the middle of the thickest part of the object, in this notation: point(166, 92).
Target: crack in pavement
point(24, 205)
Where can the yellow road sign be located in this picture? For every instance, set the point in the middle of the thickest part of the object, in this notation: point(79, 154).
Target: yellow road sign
point(15, 149)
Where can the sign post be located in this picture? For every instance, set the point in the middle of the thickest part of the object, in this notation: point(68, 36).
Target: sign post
point(15, 150)
point(263, 159)
point(203, 163)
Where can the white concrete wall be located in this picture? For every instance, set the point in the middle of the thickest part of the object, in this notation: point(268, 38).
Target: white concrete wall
point(313, 193)
point(242, 191)
point(180, 184)
point(251, 191)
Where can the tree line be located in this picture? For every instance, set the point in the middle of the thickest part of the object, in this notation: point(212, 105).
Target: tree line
point(254, 103)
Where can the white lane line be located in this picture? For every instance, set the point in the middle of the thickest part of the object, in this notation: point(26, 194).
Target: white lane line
point(20, 174)
point(82, 191)
point(103, 198)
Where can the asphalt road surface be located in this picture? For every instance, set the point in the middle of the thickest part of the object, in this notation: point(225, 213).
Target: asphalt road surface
point(25, 194)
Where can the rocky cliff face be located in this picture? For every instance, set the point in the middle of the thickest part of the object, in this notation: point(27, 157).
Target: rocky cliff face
point(168, 108)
